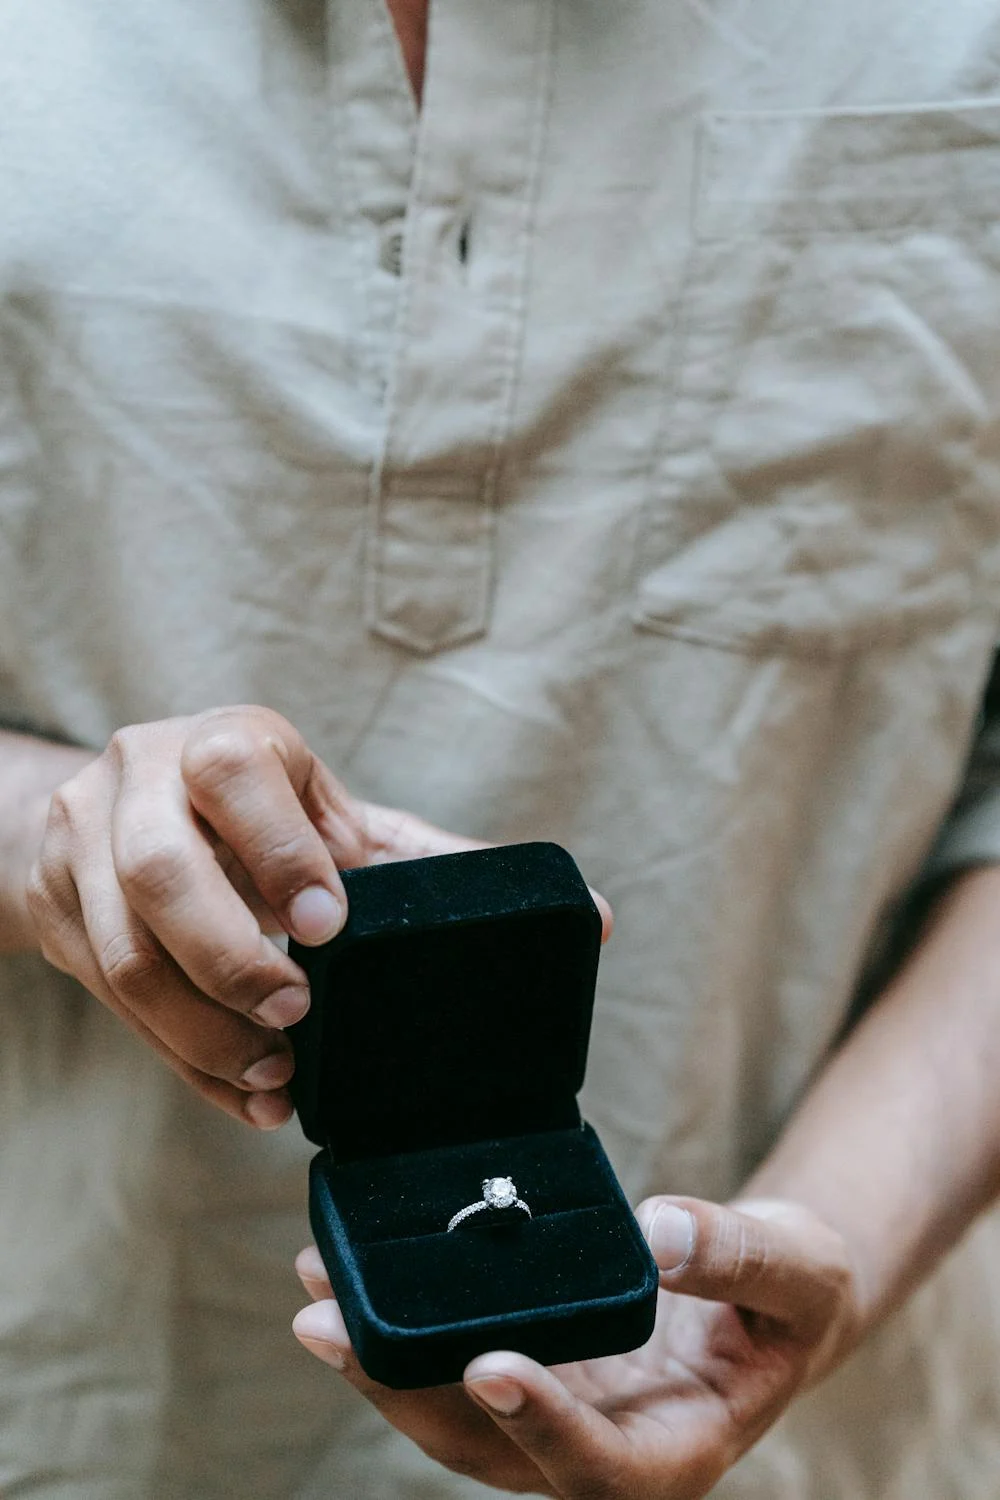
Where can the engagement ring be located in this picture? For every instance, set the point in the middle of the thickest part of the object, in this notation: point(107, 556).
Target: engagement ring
point(499, 1194)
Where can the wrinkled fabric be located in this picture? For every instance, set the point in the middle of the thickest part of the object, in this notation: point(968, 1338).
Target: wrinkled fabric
point(609, 456)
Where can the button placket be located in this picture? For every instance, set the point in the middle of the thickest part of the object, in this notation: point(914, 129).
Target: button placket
point(375, 127)
point(464, 272)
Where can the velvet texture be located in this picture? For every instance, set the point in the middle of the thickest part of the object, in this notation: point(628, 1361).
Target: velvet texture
point(446, 1042)
point(573, 1282)
point(454, 1006)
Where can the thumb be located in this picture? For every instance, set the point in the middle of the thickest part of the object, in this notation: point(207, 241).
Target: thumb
point(770, 1258)
point(392, 834)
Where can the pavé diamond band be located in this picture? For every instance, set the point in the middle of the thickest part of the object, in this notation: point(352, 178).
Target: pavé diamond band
point(499, 1193)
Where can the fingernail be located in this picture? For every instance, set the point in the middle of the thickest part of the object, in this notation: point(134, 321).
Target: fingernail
point(271, 1072)
point(671, 1236)
point(267, 1111)
point(322, 1327)
point(315, 914)
point(284, 1007)
point(309, 1263)
point(501, 1395)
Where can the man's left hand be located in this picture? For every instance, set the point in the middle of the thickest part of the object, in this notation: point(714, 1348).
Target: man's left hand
point(756, 1302)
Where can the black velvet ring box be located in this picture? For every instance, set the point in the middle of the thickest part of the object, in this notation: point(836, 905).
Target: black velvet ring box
point(446, 1044)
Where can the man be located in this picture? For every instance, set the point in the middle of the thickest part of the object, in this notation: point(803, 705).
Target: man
point(605, 452)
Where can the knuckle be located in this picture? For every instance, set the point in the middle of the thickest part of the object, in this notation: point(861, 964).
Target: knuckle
point(749, 1255)
point(227, 1064)
point(285, 861)
point(62, 814)
point(149, 865)
point(244, 972)
point(217, 753)
point(267, 722)
point(45, 898)
point(130, 964)
point(119, 742)
point(38, 894)
point(124, 743)
point(50, 914)
point(223, 1056)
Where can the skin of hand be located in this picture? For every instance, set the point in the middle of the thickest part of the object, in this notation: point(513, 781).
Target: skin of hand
point(757, 1301)
point(167, 861)
point(890, 1156)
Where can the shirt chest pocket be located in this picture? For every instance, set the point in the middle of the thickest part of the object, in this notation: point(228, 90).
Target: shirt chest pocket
point(828, 478)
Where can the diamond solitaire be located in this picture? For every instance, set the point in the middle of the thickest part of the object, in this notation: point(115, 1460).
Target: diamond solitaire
point(499, 1192)
point(499, 1195)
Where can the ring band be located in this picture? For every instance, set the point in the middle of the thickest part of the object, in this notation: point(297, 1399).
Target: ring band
point(499, 1194)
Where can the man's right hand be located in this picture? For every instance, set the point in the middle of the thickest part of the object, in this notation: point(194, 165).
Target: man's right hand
point(167, 860)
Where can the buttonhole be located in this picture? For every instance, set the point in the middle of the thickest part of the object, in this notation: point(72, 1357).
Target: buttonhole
point(391, 249)
point(463, 243)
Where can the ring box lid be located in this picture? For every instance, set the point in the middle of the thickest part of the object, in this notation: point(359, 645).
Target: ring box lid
point(455, 1005)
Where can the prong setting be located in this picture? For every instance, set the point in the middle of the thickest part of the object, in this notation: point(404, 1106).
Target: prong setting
point(499, 1196)
point(499, 1192)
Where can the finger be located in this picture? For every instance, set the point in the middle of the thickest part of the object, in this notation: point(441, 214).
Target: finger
point(88, 929)
point(244, 886)
point(577, 1449)
point(312, 1274)
point(391, 834)
point(174, 884)
point(252, 777)
point(145, 982)
point(266, 1111)
point(790, 1268)
point(440, 1419)
point(607, 915)
point(321, 1328)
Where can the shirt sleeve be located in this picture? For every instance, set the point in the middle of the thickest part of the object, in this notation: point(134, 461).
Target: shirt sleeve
point(970, 835)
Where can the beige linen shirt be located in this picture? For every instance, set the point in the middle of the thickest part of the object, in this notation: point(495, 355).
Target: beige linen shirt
point(608, 455)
